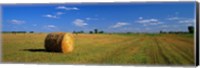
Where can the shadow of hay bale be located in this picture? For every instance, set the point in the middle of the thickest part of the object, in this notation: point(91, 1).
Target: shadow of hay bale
point(35, 50)
point(39, 50)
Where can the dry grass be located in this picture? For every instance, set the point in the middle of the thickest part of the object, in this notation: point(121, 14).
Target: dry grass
point(159, 49)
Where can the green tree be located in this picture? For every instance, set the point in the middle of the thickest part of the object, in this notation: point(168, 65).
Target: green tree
point(101, 32)
point(91, 32)
point(31, 32)
point(191, 29)
point(95, 31)
point(81, 32)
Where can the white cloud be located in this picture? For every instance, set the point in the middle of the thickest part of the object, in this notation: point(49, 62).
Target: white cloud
point(15, 21)
point(147, 22)
point(60, 13)
point(164, 26)
point(67, 8)
point(176, 13)
point(89, 18)
point(147, 28)
point(140, 17)
point(187, 21)
point(189, 24)
point(51, 26)
point(173, 18)
point(50, 16)
point(34, 24)
point(79, 22)
point(182, 20)
point(119, 24)
point(56, 15)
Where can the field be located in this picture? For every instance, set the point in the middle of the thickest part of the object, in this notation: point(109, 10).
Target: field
point(123, 49)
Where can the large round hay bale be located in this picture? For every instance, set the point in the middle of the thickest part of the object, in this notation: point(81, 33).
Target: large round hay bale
point(59, 42)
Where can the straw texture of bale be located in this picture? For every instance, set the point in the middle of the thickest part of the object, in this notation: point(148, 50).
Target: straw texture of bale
point(59, 42)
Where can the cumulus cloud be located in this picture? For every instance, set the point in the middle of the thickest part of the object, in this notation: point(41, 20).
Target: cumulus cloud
point(67, 8)
point(119, 24)
point(15, 21)
point(56, 15)
point(79, 23)
point(147, 22)
point(50, 16)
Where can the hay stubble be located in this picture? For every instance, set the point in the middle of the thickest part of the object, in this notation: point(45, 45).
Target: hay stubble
point(104, 49)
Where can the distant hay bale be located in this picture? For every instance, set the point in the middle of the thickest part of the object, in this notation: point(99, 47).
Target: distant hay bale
point(59, 42)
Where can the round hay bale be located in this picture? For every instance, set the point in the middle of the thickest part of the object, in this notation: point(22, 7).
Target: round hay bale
point(59, 42)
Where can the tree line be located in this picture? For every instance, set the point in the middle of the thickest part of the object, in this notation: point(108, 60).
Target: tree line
point(90, 32)
point(14, 32)
point(96, 31)
point(190, 30)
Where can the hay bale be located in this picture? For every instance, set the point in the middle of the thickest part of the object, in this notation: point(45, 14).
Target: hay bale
point(59, 42)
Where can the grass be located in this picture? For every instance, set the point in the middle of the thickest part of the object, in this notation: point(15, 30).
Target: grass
point(156, 49)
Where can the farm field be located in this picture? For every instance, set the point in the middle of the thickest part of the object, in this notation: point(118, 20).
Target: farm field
point(123, 49)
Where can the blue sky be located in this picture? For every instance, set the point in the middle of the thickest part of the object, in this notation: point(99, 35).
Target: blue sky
point(109, 17)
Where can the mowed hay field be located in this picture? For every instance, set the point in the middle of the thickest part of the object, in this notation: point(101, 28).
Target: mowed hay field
point(127, 49)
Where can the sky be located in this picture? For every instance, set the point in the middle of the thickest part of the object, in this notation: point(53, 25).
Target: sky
point(109, 17)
